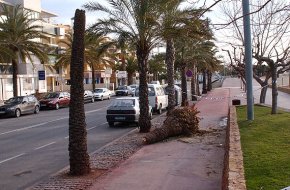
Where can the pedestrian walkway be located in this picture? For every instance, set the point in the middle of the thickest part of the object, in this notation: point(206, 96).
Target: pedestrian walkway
point(194, 163)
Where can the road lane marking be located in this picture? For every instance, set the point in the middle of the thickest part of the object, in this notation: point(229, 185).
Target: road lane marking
point(30, 127)
point(44, 145)
point(8, 159)
point(41, 124)
point(90, 128)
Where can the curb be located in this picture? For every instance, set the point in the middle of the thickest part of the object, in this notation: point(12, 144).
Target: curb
point(233, 174)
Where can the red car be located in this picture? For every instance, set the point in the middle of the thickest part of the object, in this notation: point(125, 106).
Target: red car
point(55, 100)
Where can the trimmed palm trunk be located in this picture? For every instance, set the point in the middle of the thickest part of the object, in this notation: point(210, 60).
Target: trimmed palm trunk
point(170, 52)
point(144, 119)
point(15, 73)
point(78, 154)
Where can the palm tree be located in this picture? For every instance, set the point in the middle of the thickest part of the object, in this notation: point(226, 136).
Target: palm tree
point(138, 20)
point(17, 39)
point(95, 55)
point(78, 155)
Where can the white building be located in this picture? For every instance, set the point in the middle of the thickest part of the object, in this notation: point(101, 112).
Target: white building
point(28, 74)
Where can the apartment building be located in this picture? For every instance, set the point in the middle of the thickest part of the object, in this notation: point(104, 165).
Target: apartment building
point(33, 76)
point(44, 77)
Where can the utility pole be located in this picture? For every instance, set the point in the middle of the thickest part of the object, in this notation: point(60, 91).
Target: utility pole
point(248, 60)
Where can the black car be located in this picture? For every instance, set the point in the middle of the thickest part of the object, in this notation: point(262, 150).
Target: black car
point(19, 105)
point(123, 91)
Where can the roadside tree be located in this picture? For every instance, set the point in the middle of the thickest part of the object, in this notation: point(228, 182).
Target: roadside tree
point(139, 21)
point(18, 39)
point(78, 153)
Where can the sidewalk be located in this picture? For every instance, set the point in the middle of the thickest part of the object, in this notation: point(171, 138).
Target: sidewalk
point(183, 163)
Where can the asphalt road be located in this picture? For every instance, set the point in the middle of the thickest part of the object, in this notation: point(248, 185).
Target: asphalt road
point(33, 147)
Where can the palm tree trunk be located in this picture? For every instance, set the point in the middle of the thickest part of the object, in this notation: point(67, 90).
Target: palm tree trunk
point(130, 78)
point(193, 85)
point(78, 154)
point(209, 84)
point(183, 86)
point(204, 90)
point(169, 60)
point(15, 74)
point(144, 119)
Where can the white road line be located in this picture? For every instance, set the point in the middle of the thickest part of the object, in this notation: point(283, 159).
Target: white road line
point(1, 162)
point(30, 127)
point(89, 129)
point(44, 145)
point(41, 124)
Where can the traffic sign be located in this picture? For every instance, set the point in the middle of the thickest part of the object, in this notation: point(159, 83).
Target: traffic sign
point(189, 73)
point(41, 75)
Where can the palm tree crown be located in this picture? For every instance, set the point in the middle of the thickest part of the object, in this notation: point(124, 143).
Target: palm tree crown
point(18, 37)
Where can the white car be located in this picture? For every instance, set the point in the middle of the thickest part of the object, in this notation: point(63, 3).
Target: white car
point(125, 110)
point(102, 93)
point(158, 100)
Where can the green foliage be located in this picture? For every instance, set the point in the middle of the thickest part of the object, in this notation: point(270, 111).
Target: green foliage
point(266, 147)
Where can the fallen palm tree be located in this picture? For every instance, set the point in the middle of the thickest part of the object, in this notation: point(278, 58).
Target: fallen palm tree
point(180, 121)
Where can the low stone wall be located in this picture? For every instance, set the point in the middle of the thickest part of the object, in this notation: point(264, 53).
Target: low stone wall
point(233, 174)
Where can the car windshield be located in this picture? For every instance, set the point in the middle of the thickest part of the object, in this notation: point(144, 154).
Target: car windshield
point(14, 100)
point(123, 103)
point(98, 90)
point(121, 88)
point(150, 91)
point(51, 95)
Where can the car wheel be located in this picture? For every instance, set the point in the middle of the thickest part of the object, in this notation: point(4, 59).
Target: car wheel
point(111, 124)
point(56, 106)
point(36, 109)
point(109, 97)
point(17, 113)
point(93, 100)
point(102, 98)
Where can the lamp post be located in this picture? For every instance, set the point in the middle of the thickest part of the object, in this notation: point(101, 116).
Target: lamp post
point(248, 60)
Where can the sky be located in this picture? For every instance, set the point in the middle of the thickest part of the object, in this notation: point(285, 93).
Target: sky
point(65, 9)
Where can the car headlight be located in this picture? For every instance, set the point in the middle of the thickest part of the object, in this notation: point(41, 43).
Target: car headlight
point(51, 102)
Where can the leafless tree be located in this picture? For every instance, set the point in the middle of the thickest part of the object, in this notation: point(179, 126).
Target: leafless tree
point(271, 42)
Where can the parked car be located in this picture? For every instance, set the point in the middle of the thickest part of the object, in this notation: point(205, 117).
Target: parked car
point(123, 91)
point(102, 93)
point(19, 105)
point(89, 96)
point(126, 109)
point(178, 94)
point(157, 97)
point(133, 88)
point(55, 100)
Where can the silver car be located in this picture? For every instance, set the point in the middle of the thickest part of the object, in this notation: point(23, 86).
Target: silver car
point(19, 105)
point(102, 93)
point(125, 109)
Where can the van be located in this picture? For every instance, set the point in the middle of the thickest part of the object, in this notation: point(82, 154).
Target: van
point(158, 100)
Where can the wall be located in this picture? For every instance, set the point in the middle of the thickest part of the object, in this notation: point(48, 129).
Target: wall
point(233, 174)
